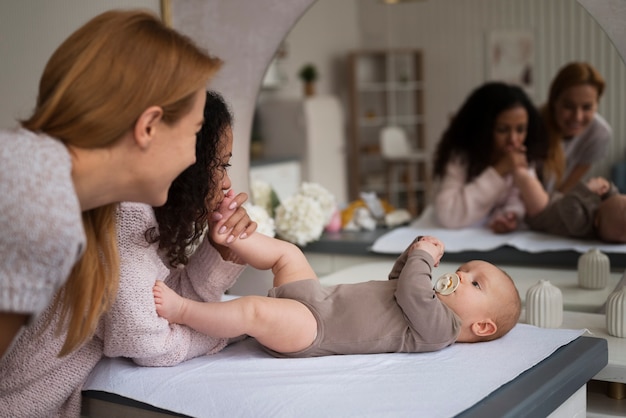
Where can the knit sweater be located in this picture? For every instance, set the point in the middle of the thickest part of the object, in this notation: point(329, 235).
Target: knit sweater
point(132, 327)
point(460, 203)
point(36, 383)
point(41, 228)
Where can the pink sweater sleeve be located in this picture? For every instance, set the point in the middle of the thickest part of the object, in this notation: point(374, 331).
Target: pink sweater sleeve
point(459, 203)
point(132, 328)
point(512, 202)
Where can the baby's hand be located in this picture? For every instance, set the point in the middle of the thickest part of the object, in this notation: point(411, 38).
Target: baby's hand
point(598, 185)
point(432, 246)
point(503, 223)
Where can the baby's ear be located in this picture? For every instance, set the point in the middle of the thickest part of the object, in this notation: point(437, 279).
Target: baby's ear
point(484, 328)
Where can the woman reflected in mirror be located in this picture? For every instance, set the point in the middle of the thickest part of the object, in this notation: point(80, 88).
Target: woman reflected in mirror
point(496, 130)
point(578, 136)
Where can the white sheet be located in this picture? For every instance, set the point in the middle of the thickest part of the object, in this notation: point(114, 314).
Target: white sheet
point(482, 239)
point(244, 381)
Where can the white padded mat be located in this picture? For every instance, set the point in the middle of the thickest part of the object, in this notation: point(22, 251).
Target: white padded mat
point(244, 381)
point(482, 239)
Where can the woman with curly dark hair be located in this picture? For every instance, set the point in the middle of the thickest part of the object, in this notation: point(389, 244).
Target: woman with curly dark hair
point(497, 129)
point(158, 243)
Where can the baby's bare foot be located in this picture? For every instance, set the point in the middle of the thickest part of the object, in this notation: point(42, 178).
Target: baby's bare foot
point(169, 304)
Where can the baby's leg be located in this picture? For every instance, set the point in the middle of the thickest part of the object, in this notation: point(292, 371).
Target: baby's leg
point(169, 304)
point(285, 259)
point(283, 325)
point(292, 265)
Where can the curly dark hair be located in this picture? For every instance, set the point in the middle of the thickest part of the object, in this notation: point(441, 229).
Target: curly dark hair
point(183, 218)
point(470, 133)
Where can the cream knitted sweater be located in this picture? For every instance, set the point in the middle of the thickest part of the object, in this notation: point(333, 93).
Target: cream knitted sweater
point(36, 383)
point(41, 230)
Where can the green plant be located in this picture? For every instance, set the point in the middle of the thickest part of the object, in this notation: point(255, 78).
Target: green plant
point(308, 73)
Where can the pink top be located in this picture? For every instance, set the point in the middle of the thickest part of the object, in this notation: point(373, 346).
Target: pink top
point(132, 327)
point(459, 203)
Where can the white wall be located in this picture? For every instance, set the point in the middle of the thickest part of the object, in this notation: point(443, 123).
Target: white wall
point(322, 36)
point(30, 31)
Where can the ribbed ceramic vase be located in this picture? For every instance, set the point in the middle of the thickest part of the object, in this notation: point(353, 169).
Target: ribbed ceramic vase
point(616, 313)
point(593, 269)
point(544, 305)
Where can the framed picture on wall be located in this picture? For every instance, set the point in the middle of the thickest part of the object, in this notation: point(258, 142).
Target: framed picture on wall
point(510, 57)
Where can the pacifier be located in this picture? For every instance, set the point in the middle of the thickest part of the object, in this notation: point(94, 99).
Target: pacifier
point(447, 283)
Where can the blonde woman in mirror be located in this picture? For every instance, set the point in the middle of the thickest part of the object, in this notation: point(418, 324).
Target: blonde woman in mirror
point(109, 125)
point(302, 318)
point(591, 210)
point(578, 137)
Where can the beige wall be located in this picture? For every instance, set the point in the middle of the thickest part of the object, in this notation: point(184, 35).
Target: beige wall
point(30, 30)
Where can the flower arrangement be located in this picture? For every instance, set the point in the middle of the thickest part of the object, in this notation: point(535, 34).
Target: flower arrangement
point(299, 219)
point(265, 222)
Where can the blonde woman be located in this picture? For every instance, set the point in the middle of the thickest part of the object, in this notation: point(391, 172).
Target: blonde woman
point(578, 136)
point(110, 125)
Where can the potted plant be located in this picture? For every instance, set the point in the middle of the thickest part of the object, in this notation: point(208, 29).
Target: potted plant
point(308, 74)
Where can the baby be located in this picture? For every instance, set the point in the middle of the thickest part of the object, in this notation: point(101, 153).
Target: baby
point(591, 210)
point(302, 318)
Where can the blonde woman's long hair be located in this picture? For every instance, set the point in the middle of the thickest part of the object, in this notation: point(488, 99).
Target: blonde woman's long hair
point(572, 74)
point(93, 89)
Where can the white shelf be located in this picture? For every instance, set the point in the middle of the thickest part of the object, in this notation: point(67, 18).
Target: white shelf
point(386, 88)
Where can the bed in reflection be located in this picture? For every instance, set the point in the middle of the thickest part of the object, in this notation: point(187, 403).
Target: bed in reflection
point(516, 248)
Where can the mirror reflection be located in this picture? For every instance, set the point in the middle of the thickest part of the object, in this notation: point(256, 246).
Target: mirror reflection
point(412, 64)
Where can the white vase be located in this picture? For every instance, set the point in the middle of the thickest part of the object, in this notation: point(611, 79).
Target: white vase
point(593, 270)
point(616, 313)
point(544, 305)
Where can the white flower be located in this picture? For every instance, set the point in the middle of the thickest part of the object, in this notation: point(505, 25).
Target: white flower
point(300, 219)
point(258, 214)
point(326, 199)
point(263, 195)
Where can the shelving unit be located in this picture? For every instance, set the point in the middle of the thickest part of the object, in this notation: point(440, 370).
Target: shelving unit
point(386, 88)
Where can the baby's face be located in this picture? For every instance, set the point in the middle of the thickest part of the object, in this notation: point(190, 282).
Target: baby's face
point(482, 286)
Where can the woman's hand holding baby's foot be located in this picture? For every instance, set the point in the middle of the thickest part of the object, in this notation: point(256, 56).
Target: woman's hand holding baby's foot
point(169, 304)
point(230, 220)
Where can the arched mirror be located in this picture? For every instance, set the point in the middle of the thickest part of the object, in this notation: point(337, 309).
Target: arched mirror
point(451, 34)
point(456, 41)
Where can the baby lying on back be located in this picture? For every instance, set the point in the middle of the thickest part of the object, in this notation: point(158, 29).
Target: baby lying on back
point(302, 318)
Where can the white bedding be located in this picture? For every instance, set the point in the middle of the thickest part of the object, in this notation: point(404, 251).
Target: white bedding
point(482, 239)
point(244, 381)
